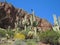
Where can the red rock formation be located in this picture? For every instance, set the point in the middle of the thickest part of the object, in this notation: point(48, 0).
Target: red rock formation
point(8, 15)
point(44, 24)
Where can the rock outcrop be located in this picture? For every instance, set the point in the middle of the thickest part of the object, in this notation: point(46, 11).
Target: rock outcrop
point(9, 15)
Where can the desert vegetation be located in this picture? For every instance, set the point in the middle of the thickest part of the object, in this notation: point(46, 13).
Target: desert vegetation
point(17, 27)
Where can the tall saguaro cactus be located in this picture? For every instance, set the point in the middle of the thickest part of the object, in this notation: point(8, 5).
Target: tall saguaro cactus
point(55, 20)
point(59, 20)
point(33, 15)
point(34, 23)
point(25, 21)
point(31, 20)
point(56, 26)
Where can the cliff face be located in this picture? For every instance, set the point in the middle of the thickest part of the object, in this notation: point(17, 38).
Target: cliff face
point(9, 15)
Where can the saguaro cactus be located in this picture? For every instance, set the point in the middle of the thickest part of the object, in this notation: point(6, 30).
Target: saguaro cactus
point(59, 20)
point(55, 20)
point(33, 15)
point(35, 30)
point(25, 21)
point(56, 26)
point(31, 20)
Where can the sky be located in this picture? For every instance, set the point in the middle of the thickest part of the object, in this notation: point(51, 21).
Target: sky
point(42, 8)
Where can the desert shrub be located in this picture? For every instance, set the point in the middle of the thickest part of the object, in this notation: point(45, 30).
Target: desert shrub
point(49, 37)
point(19, 42)
point(19, 36)
point(31, 42)
point(25, 33)
point(2, 33)
point(35, 23)
point(10, 33)
point(58, 31)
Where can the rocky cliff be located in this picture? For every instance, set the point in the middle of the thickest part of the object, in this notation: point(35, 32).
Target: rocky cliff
point(9, 15)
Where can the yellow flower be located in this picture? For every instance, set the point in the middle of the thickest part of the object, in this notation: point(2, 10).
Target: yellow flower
point(19, 36)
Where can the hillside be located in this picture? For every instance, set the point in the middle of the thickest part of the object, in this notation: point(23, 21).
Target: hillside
point(9, 15)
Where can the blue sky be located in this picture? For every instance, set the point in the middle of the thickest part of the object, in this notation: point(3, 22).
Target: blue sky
point(43, 8)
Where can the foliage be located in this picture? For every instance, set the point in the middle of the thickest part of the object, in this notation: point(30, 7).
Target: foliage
point(25, 32)
point(25, 42)
point(58, 31)
point(2, 33)
point(19, 42)
point(31, 42)
point(19, 36)
point(10, 33)
point(49, 37)
point(35, 23)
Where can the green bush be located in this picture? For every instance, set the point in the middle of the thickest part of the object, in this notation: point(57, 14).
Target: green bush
point(49, 37)
point(25, 32)
point(10, 33)
point(2, 33)
point(35, 23)
point(20, 42)
point(31, 42)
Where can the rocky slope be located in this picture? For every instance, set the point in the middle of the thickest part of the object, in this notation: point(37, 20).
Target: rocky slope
point(9, 14)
